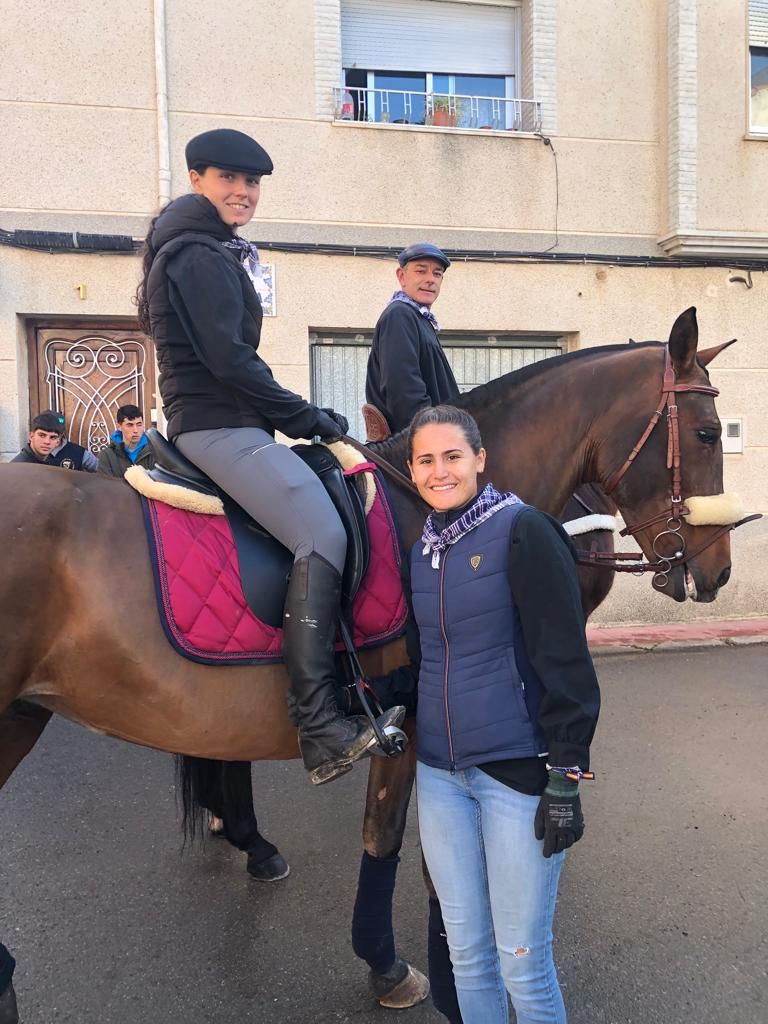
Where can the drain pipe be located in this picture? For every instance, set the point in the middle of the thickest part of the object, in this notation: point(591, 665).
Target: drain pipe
point(163, 162)
point(161, 105)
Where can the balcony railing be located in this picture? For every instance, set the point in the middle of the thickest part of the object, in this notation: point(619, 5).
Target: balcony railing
point(436, 110)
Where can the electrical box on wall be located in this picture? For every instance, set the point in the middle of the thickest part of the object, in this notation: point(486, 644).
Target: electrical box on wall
point(733, 436)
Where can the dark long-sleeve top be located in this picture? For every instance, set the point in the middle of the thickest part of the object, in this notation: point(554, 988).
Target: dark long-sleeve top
point(545, 589)
point(407, 367)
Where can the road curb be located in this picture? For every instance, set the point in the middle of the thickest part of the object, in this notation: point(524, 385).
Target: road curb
point(610, 640)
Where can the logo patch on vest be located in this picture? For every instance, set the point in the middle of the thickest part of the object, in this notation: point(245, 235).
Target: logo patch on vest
point(67, 464)
point(475, 561)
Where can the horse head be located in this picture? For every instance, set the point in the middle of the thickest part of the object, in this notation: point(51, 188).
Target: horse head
point(670, 485)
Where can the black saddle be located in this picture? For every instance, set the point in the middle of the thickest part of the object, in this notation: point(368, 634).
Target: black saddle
point(265, 565)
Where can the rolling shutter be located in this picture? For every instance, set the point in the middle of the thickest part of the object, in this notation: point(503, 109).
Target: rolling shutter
point(758, 22)
point(429, 35)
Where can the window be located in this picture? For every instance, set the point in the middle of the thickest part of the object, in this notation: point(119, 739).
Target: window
point(758, 91)
point(338, 363)
point(442, 63)
point(758, 66)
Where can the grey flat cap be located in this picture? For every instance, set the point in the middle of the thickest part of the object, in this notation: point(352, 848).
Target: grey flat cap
point(423, 251)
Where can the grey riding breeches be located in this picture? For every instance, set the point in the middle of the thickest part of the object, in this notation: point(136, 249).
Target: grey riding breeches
point(273, 485)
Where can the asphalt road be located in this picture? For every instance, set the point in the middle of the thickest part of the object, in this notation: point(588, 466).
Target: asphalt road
point(663, 914)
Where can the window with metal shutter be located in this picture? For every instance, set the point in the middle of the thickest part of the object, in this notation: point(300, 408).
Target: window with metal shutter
point(758, 22)
point(430, 36)
point(338, 364)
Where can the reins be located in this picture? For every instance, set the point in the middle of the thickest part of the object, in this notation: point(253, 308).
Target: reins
point(386, 467)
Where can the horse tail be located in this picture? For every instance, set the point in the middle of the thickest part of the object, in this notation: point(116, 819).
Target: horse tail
point(198, 793)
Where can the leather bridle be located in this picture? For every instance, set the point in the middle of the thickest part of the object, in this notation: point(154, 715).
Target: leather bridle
point(624, 561)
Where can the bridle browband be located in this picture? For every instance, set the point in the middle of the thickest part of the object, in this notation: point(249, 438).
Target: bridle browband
point(673, 515)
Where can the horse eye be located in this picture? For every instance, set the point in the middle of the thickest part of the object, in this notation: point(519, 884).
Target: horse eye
point(708, 436)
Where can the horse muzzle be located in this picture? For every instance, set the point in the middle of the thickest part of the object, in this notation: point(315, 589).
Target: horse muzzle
point(697, 571)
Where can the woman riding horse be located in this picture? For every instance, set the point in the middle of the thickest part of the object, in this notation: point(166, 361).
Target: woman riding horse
point(198, 301)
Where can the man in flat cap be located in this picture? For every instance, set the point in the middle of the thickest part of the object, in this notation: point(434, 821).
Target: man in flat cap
point(407, 368)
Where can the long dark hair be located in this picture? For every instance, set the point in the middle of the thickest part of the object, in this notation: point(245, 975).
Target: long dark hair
point(140, 298)
point(446, 414)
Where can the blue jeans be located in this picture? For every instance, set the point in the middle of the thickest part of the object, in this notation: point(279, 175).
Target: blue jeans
point(497, 893)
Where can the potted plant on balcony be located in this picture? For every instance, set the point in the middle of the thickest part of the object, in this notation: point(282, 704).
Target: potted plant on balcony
point(444, 111)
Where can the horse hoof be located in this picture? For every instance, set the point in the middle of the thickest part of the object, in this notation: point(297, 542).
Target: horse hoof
point(412, 990)
point(270, 870)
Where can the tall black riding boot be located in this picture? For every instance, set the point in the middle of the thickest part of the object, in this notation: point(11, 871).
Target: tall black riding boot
point(330, 743)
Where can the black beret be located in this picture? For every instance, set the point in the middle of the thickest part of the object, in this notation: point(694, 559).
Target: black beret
point(422, 251)
point(231, 150)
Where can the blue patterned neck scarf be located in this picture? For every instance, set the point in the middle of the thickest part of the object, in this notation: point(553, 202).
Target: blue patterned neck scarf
point(248, 255)
point(425, 311)
point(488, 502)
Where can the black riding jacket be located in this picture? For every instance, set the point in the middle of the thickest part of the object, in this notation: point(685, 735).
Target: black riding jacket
point(206, 325)
point(407, 368)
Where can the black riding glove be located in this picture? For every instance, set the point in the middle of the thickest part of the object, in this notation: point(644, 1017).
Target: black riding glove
point(559, 821)
point(341, 421)
point(326, 428)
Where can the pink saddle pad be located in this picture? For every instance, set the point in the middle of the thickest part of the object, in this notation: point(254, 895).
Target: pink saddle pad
point(200, 599)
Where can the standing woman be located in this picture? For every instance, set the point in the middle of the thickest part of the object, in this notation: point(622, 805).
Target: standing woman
point(197, 300)
point(507, 707)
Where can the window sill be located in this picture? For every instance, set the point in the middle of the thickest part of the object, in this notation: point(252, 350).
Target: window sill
point(728, 244)
point(752, 136)
point(439, 129)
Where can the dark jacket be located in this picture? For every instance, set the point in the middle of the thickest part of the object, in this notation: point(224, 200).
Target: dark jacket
point(68, 456)
point(114, 459)
point(407, 368)
point(206, 325)
point(516, 617)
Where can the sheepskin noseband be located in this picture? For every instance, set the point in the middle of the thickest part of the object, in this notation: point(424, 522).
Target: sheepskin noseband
point(714, 510)
point(590, 524)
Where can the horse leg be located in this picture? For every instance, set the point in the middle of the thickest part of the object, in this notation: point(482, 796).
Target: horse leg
point(265, 862)
point(223, 789)
point(20, 727)
point(394, 982)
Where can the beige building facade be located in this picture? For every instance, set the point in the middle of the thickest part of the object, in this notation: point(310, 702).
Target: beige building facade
point(595, 167)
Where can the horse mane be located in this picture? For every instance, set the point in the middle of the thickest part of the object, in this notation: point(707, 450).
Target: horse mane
point(393, 448)
point(486, 393)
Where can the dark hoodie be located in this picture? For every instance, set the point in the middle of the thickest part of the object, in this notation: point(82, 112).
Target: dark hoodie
point(206, 325)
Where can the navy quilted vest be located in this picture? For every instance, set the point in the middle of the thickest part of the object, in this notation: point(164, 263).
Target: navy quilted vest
point(478, 693)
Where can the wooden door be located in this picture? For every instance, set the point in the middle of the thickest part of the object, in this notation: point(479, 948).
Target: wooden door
point(87, 371)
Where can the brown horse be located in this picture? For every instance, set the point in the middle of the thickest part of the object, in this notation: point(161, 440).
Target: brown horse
point(71, 545)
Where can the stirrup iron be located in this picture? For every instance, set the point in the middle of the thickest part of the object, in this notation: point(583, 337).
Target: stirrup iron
point(390, 741)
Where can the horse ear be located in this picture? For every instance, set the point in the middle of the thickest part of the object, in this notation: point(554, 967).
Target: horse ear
point(706, 355)
point(683, 339)
point(631, 341)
